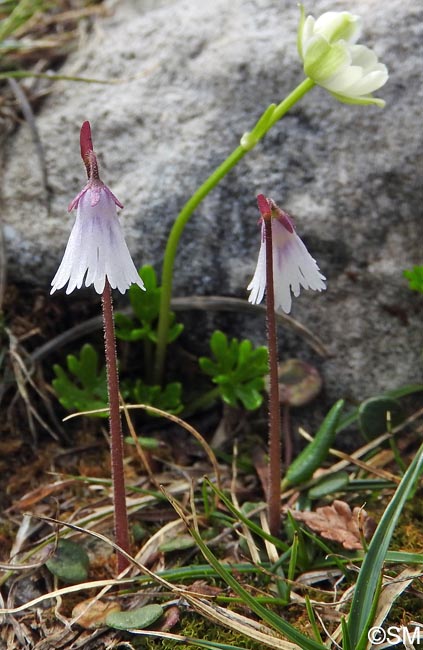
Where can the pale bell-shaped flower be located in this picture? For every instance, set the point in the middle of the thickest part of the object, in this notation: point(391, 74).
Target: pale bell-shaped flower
point(332, 59)
point(293, 266)
point(96, 248)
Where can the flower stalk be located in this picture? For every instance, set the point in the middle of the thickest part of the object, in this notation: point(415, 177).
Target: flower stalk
point(115, 427)
point(275, 451)
point(283, 266)
point(96, 254)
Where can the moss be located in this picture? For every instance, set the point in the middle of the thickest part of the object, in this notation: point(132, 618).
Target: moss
point(408, 535)
point(193, 625)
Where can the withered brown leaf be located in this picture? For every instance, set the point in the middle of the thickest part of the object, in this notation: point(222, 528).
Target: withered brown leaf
point(339, 524)
point(92, 614)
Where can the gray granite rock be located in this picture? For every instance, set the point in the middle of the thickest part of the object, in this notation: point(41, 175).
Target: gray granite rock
point(194, 77)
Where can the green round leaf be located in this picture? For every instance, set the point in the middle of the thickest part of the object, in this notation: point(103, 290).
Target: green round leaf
point(135, 618)
point(372, 414)
point(69, 562)
point(299, 383)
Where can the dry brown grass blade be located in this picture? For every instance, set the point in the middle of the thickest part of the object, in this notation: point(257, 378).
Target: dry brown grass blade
point(39, 493)
point(134, 504)
point(143, 556)
point(370, 446)
point(225, 303)
point(370, 469)
point(254, 553)
point(23, 378)
point(140, 451)
point(24, 532)
point(391, 589)
point(121, 580)
point(227, 617)
point(70, 589)
point(173, 418)
point(43, 21)
point(97, 516)
point(272, 552)
point(166, 533)
point(241, 624)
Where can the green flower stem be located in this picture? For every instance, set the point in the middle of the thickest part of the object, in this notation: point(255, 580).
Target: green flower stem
point(289, 101)
point(148, 359)
point(268, 119)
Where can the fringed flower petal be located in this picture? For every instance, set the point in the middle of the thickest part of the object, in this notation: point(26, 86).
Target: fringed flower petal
point(293, 266)
point(96, 249)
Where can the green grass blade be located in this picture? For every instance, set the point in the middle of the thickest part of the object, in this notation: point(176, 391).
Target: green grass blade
point(293, 558)
point(211, 644)
point(346, 642)
point(255, 528)
point(404, 390)
point(368, 579)
point(397, 557)
point(21, 13)
point(331, 558)
point(404, 557)
point(363, 640)
point(312, 620)
point(268, 616)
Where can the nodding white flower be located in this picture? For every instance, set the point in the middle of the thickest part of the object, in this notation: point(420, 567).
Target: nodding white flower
point(331, 58)
point(293, 265)
point(96, 248)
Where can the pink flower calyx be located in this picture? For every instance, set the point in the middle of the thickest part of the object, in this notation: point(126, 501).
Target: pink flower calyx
point(85, 140)
point(269, 209)
point(264, 206)
point(95, 185)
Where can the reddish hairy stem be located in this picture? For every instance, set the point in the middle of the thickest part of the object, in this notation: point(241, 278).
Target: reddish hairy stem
point(286, 435)
point(116, 438)
point(275, 472)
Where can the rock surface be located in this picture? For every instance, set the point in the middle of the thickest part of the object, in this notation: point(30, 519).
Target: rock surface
point(194, 77)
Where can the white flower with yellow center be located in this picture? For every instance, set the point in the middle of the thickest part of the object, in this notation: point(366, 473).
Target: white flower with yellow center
point(332, 59)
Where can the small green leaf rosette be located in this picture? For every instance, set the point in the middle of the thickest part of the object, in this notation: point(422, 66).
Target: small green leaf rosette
point(237, 369)
point(86, 387)
point(167, 398)
point(146, 306)
point(415, 278)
